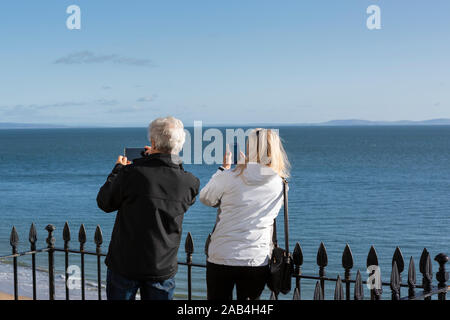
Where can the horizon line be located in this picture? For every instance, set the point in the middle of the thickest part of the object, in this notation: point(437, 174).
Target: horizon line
point(338, 122)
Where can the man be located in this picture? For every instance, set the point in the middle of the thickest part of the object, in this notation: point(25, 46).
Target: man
point(151, 196)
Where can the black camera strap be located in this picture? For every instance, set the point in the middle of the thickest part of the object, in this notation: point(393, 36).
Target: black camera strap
point(286, 220)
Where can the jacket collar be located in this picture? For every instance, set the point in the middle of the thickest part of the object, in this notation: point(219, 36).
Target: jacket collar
point(171, 160)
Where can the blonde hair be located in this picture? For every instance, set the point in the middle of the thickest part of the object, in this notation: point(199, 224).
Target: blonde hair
point(264, 146)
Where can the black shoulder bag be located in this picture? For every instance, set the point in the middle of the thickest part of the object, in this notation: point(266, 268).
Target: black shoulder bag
point(281, 267)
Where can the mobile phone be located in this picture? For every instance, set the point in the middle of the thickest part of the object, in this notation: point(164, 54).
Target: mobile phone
point(134, 153)
point(234, 148)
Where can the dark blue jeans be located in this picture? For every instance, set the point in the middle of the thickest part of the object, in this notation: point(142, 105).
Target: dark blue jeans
point(121, 288)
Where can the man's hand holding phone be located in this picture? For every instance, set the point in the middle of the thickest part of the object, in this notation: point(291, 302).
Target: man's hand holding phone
point(123, 161)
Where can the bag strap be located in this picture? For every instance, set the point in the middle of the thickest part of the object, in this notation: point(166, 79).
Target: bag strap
point(286, 216)
point(286, 220)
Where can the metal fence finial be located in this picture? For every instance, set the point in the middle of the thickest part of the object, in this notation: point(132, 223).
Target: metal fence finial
point(395, 282)
point(339, 290)
point(442, 276)
point(32, 235)
point(318, 294)
point(359, 289)
point(411, 279)
point(98, 237)
point(66, 232)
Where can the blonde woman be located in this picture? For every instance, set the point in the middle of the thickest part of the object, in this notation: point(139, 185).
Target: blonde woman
point(248, 200)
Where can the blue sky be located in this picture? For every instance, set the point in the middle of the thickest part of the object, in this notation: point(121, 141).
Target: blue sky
point(223, 61)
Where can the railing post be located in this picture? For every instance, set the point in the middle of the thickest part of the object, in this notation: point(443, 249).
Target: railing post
point(14, 242)
point(297, 257)
point(347, 264)
point(426, 269)
point(411, 279)
point(82, 240)
point(66, 238)
point(322, 262)
point(395, 282)
point(32, 237)
point(375, 275)
point(98, 239)
point(51, 263)
point(359, 289)
point(442, 275)
point(189, 249)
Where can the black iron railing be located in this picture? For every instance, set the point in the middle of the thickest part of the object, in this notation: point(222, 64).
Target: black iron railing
point(342, 286)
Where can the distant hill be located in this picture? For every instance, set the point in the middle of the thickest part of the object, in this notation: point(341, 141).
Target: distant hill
point(358, 122)
point(347, 122)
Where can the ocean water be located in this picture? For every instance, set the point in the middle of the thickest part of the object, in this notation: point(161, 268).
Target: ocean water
point(383, 186)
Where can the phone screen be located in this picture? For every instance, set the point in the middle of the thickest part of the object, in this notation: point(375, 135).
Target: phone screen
point(133, 153)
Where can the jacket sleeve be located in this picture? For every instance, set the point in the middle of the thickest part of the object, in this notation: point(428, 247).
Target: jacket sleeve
point(211, 194)
point(109, 197)
point(195, 190)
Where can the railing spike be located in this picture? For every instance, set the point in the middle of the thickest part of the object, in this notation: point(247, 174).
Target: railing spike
point(98, 237)
point(322, 257)
point(14, 238)
point(339, 290)
point(318, 294)
point(359, 289)
point(411, 278)
point(426, 269)
point(423, 260)
point(297, 255)
point(66, 232)
point(82, 234)
point(398, 258)
point(296, 294)
point(32, 236)
point(395, 282)
point(347, 258)
point(189, 244)
point(372, 257)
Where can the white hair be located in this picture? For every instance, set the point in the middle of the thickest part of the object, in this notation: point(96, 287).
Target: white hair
point(167, 134)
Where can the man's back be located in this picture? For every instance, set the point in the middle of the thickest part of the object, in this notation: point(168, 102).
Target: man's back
point(151, 197)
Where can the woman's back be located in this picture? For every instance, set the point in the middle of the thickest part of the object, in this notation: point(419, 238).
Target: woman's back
point(248, 204)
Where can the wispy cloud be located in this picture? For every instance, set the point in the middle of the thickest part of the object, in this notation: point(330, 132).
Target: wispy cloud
point(147, 99)
point(106, 102)
point(89, 57)
point(33, 108)
point(133, 108)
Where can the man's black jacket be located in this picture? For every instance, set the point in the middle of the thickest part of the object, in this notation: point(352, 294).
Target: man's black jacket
point(151, 196)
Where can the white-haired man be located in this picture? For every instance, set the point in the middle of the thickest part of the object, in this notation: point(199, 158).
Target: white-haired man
point(151, 196)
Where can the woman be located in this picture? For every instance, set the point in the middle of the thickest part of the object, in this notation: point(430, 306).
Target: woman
point(248, 200)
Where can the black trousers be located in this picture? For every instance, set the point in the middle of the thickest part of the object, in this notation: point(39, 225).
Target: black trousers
point(249, 281)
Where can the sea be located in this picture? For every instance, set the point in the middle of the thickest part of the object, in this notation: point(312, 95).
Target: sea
point(381, 186)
